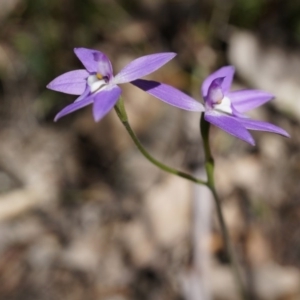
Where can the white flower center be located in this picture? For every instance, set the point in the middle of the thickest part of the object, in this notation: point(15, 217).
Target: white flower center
point(224, 106)
point(96, 82)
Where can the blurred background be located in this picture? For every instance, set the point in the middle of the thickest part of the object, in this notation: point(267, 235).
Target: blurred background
point(84, 216)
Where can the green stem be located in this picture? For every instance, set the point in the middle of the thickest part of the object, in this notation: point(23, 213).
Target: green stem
point(120, 109)
point(209, 166)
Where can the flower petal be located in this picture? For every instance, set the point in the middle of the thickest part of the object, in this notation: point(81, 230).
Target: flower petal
point(73, 82)
point(168, 94)
point(230, 125)
point(263, 126)
point(226, 72)
point(142, 66)
point(84, 95)
point(95, 61)
point(245, 100)
point(105, 101)
point(74, 106)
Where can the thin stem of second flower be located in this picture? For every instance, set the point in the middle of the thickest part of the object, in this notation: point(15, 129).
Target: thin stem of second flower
point(209, 167)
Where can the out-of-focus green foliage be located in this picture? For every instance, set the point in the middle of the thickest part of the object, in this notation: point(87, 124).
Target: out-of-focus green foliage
point(247, 12)
point(277, 21)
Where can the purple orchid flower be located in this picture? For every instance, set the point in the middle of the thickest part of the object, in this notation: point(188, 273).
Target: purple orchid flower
point(226, 109)
point(96, 84)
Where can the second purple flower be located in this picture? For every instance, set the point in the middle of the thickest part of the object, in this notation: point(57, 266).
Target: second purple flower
point(225, 109)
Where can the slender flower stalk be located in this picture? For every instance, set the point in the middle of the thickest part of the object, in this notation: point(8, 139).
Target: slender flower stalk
point(120, 110)
point(209, 167)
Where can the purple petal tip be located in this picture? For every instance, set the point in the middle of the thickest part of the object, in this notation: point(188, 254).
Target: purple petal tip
point(172, 53)
point(56, 118)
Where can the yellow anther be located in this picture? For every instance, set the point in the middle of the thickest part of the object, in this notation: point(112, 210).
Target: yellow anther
point(99, 76)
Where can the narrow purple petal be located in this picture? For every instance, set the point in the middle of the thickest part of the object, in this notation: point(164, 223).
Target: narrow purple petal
point(73, 82)
point(263, 126)
point(168, 94)
point(142, 66)
point(230, 125)
point(226, 72)
point(74, 106)
point(95, 61)
point(84, 95)
point(245, 100)
point(105, 101)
